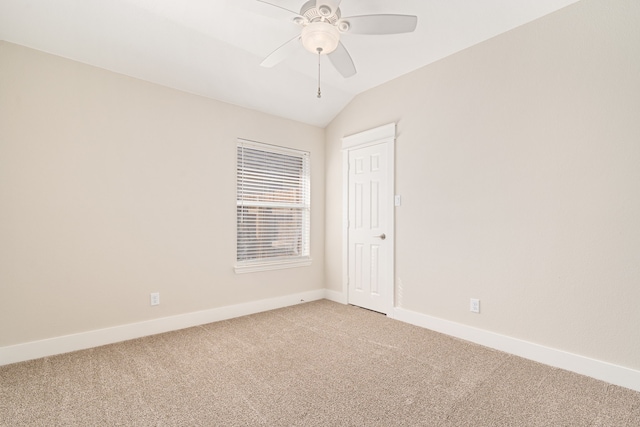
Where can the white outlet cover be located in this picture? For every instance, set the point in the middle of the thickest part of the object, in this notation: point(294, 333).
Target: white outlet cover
point(155, 298)
point(474, 305)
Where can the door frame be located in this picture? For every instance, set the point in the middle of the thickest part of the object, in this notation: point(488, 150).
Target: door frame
point(385, 134)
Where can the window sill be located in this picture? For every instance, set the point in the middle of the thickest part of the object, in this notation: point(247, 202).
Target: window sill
point(252, 267)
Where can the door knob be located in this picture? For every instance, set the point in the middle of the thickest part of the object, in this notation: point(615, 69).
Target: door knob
point(382, 236)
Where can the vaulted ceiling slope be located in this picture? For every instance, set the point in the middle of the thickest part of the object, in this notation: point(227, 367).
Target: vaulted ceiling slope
point(214, 48)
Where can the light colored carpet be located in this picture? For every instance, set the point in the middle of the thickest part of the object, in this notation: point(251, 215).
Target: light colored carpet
point(314, 364)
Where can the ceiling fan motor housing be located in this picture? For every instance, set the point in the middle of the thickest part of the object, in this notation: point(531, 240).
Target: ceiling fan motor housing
point(322, 13)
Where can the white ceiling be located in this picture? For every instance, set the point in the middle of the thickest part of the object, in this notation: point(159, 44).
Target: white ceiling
point(214, 47)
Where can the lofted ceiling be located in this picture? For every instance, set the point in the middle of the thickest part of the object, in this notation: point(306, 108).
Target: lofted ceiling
point(214, 48)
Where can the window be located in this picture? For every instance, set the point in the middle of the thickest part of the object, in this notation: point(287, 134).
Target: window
point(273, 207)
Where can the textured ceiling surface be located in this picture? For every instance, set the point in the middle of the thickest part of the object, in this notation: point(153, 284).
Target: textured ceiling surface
point(214, 48)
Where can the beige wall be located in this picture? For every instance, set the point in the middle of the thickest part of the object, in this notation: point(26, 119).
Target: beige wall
point(518, 162)
point(112, 188)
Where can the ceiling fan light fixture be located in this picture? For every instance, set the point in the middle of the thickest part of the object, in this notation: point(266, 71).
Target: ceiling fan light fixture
point(320, 37)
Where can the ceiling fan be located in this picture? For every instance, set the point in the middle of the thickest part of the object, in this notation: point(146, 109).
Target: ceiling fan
point(323, 25)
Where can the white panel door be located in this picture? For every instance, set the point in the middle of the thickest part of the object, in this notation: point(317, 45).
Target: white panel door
point(370, 224)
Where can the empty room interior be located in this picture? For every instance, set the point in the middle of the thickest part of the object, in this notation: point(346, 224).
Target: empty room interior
point(466, 171)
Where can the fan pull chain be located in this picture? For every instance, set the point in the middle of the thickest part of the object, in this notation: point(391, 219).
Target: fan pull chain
point(319, 52)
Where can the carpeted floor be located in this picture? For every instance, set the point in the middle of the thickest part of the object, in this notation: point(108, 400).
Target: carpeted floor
point(314, 364)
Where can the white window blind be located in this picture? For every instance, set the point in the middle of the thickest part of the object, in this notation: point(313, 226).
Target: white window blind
point(273, 206)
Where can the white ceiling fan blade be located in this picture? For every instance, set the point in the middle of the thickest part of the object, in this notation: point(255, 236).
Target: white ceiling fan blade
point(276, 11)
point(381, 24)
point(341, 59)
point(332, 4)
point(281, 53)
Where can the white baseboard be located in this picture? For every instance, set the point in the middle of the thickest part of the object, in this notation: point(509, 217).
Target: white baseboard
point(64, 344)
point(604, 371)
point(597, 369)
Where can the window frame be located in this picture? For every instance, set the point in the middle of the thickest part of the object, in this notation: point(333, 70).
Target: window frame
point(275, 262)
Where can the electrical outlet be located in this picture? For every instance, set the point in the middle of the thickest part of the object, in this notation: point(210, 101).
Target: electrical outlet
point(155, 298)
point(474, 306)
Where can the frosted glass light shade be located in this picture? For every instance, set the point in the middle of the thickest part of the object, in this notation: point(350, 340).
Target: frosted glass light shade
point(320, 35)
